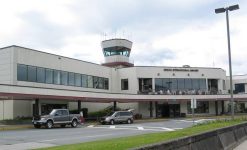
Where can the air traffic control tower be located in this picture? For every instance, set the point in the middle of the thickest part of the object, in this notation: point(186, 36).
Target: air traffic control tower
point(116, 53)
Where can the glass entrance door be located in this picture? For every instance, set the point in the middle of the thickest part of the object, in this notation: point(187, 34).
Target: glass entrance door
point(174, 110)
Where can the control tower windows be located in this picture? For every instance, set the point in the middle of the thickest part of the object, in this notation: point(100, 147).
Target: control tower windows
point(110, 51)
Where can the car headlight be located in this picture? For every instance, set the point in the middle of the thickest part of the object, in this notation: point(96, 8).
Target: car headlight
point(42, 119)
point(107, 119)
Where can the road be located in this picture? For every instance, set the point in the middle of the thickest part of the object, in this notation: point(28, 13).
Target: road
point(39, 138)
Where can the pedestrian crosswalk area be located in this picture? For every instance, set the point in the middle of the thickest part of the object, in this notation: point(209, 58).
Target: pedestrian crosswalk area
point(136, 127)
point(171, 125)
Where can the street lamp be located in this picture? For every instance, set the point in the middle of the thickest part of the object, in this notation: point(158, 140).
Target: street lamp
point(222, 10)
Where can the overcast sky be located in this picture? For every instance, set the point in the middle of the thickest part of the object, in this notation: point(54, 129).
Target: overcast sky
point(164, 32)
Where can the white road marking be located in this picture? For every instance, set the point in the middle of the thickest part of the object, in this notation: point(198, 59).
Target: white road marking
point(112, 127)
point(168, 129)
point(90, 126)
point(140, 128)
point(196, 121)
point(185, 120)
point(147, 128)
point(177, 128)
point(48, 140)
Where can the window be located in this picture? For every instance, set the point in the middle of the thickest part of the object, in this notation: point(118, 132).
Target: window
point(125, 113)
point(65, 113)
point(21, 72)
point(180, 84)
point(101, 83)
point(195, 84)
point(59, 113)
point(224, 84)
point(158, 84)
point(166, 84)
point(95, 82)
point(187, 84)
point(239, 88)
point(174, 84)
point(31, 73)
point(124, 84)
point(64, 78)
point(48, 76)
point(77, 79)
point(41, 75)
point(90, 81)
point(202, 107)
point(84, 81)
point(57, 77)
point(203, 84)
point(106, 84)
point(71, 79)
point(117, 114)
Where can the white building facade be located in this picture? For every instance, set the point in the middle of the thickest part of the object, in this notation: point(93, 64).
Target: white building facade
point(33, 82)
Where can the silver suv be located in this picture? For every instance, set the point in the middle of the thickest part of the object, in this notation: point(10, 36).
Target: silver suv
point(117, 117)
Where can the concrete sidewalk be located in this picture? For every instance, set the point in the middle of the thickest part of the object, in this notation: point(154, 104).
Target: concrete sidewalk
point(242, 146)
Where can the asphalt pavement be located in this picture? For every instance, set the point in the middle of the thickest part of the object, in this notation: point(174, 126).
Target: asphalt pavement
point(40, 138)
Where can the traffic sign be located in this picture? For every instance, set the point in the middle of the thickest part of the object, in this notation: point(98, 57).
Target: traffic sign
point(193, 103)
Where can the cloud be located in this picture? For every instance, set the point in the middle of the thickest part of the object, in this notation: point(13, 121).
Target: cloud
point(169, 33)
point(148, 56)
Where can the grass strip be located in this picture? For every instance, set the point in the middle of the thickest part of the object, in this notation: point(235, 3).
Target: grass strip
point(141, 140)
point(15, 127)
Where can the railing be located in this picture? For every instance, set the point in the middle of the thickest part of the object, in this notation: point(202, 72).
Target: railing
point(180, 92)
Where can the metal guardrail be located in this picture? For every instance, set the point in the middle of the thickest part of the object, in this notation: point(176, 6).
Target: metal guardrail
point(220, 139)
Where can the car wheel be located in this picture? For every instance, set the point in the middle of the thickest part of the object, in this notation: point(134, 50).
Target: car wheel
point(112, 122)
point(63, 125)
point(49, 124)
point(129, 121)
point(74, 123)
point(37, 126)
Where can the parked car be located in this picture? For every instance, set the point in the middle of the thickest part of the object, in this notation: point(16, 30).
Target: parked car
point(60, 117)
point(117, 117)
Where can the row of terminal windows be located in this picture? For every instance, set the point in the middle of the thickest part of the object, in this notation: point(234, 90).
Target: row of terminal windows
point(52, 76)
point(180, 84)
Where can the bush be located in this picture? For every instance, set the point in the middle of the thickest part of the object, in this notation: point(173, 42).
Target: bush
point(138, 116)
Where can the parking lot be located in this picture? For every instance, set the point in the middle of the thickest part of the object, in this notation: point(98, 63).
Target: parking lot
point(37, 138)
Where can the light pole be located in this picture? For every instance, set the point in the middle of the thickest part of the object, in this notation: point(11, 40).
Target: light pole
point(222, 10)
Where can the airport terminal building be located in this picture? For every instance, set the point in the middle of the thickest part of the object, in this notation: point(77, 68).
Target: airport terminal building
point(34, 82)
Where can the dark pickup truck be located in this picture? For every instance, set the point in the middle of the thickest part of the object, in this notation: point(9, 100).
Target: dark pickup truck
point(57, 117)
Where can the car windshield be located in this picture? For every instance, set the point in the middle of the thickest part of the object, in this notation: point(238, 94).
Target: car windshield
point(53, 112)
point(110, 114)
